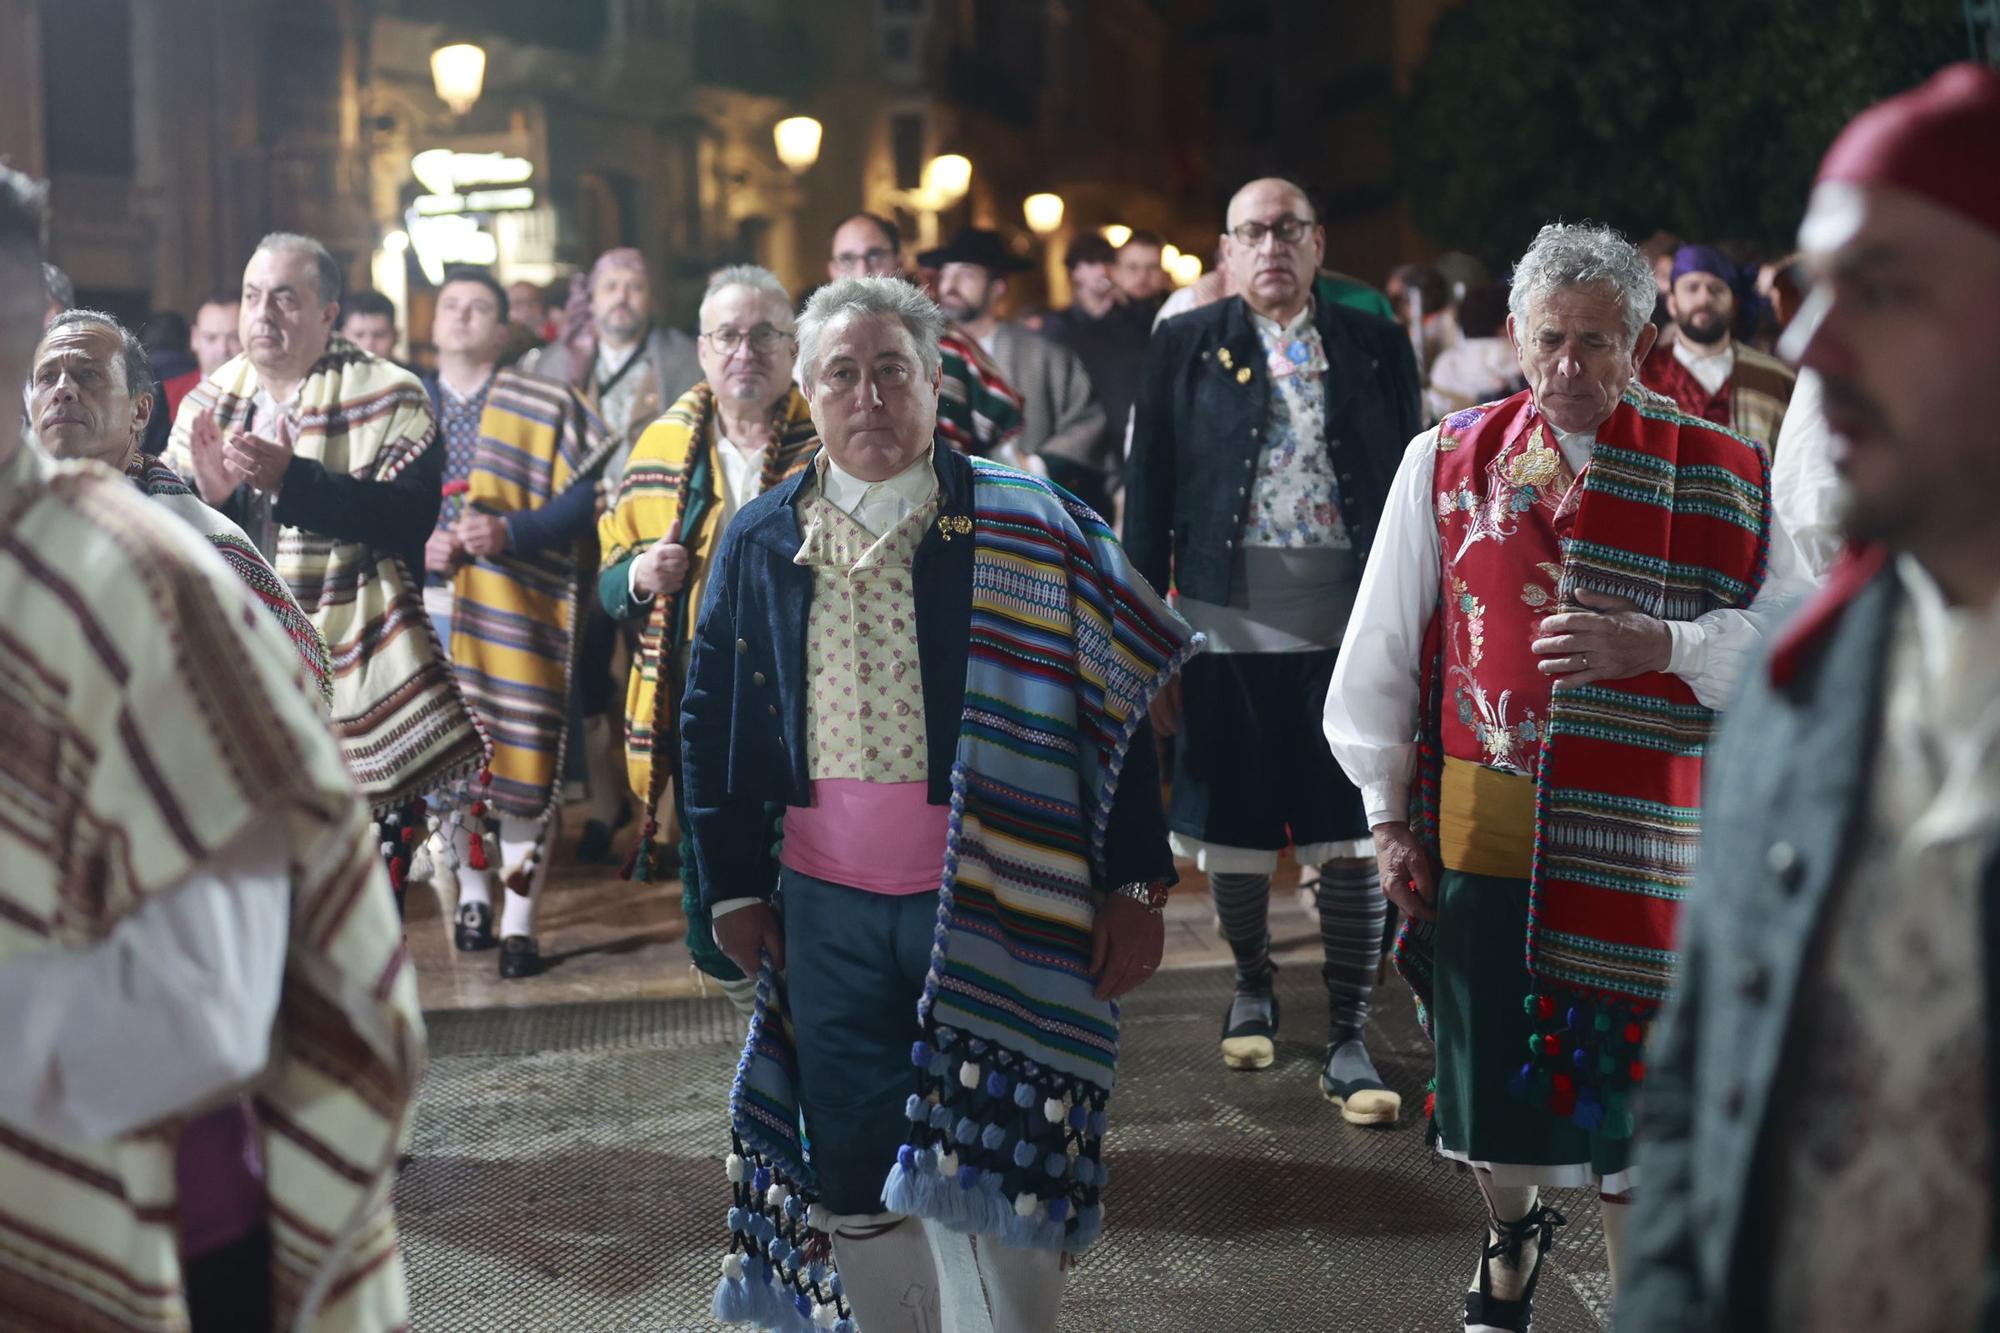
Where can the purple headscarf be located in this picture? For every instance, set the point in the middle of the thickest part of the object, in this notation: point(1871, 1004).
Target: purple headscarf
point(1705, 259)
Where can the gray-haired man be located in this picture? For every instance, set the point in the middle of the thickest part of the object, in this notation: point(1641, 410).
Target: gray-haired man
point(1559, 777)
point(937, 669)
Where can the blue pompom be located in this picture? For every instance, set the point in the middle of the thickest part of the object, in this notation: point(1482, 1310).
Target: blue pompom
point(1024, 1095)
point(739, 1219)
point(1055, 1164)
point(979, 1045)
point(920, 1054)
point(939, 1064)
point(795, 1207)
point(992, 1137)
point(940, 1116)
point(915, 1110)
point(1099, 1122)
point(1058, 1208)
point(965, 1131)
point(996, 1084)
point(762, 1180)
point(906, 1157)
point(1024, 1154)
point(968, 1176)
point(803, 1304)
point(1078, 1117)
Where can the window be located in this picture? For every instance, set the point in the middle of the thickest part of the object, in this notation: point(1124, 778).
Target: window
point(87, 86)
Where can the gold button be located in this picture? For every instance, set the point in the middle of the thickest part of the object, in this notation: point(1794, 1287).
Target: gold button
point(742, 645)
point(902, 708)
point(757, 677)
point(905, 752)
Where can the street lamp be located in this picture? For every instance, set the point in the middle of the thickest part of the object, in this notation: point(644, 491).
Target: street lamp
point(798, 142)
point(1044, 213)
point(458, 71)
point(947, 178)
point(1117, 233)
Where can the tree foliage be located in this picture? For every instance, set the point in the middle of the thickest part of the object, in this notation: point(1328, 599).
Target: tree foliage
point(1703, 117)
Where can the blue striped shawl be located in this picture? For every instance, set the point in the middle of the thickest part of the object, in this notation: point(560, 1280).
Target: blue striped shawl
point(1068, 645)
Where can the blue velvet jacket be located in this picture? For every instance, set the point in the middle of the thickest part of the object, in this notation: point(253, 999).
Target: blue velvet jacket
point(743, 716)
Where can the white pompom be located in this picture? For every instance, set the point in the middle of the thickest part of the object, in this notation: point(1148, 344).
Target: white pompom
point(1053, 1109)
point(735, 1167)
point(774, 1198)
point(948, 1163)
point(968, 1074)
point(732, 1267)
point(826, 1316)
point(1025, 1205)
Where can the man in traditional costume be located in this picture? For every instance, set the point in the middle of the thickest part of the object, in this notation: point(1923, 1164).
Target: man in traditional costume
point(979, 411)
point(1701, 365)
point(938, 669)
point(1264, 437)
point(628, 368)
point(328, 458)
point(89, 397)
point(1818, 1127)
point(1063, 434)
point(526, 497)
point(732, 437)
point(191, 916)
point(1558, 778)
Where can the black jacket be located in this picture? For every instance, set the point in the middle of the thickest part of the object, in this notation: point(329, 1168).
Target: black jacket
point(1198, 426)
point(743, 715)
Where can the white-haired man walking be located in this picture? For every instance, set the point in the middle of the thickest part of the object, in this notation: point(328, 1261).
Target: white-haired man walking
point(939, 670)
point(1567, 583)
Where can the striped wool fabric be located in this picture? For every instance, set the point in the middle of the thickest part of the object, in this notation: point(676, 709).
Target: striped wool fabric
point(1068, 646)
point(1673, 515)
point(164, 486)
point(979, 412)
point(513, 620)
point(402, 723)
point(670, 485)
point(153, 716)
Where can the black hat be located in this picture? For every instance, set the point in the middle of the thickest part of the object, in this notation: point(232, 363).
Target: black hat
point(975, 245)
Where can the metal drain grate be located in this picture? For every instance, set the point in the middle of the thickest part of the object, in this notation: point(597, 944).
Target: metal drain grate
point(566, 1175)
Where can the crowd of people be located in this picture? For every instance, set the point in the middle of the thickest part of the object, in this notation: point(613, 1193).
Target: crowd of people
point(922, 644)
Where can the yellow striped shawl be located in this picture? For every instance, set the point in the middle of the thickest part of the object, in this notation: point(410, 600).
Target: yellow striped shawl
point(675, 449)
point(153, 714)
point(513, 620)
point(403, 726)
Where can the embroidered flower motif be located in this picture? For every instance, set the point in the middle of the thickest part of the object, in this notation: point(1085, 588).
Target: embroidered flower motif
point(1536, 465)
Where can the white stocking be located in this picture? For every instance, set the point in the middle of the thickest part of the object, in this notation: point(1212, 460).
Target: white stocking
point(474, 886)
point(1616, 1213)
point(888, 1273)
point(1019, 1291)
point(518, 840)
point(1507, 1203)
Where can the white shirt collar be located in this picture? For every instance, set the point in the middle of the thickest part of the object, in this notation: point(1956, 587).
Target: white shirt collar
point(1294, 328)
point(876, 505)
point(610, 359)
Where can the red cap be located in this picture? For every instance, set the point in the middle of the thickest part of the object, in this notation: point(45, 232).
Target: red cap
point(1939, 140)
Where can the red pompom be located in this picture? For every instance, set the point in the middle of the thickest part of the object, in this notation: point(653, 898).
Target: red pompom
point(1431, 1106)
point(478, 809)
point(1552, 1045)
point(1562, 1103)
point(1636, 1071)
point(1545, 1007)
point(396, 875)
point(1563, 1084)
point(1633, 1033)
point(476, 858)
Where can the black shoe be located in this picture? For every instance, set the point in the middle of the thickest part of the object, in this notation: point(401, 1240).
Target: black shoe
point(1485, 1312)
point(1251, 1044)
point(472, 929)
point(594, 847)
point(519, 957)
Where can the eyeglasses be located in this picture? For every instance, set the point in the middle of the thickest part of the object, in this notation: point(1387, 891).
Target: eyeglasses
point(877, 260)
point(762, 339)
point(1288, 230)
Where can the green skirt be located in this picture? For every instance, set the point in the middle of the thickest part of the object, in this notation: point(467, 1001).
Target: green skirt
point(1482, 1029)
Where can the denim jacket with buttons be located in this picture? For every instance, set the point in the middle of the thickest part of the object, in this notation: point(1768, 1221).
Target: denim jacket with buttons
point(1198, 424)
point(743, 716)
